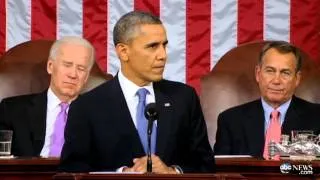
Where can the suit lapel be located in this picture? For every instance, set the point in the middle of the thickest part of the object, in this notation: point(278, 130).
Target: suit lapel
point(164, 105)
point(124, 120)
point(37, 121)
point(291, 121)
point(254, 128)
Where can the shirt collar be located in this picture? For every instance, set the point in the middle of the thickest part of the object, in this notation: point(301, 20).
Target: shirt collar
point(129, 88)
point(283, 108)
point(53, 100)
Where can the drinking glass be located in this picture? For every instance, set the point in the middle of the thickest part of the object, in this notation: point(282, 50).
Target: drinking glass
point(5, 142)
point(297, 135)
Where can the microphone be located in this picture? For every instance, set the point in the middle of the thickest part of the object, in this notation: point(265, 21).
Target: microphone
point(151, 114)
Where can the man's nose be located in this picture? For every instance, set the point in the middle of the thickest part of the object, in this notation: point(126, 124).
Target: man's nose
point(162, 53)
point(276, 77)
point(73, 72)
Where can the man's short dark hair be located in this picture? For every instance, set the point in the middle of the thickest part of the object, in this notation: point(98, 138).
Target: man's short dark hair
point(128, 25)
point(283, 48)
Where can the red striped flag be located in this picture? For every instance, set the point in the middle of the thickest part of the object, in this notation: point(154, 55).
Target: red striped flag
point(199, 31)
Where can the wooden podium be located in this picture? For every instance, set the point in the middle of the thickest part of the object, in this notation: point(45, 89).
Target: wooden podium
point(253, 168)
point(28, 168)
point(68, 176)
point(227, 169)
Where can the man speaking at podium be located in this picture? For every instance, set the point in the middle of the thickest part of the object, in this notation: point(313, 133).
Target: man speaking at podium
point(106, 131)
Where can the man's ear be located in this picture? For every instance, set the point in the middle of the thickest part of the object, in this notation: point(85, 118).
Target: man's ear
point(298, 79)
point(122, 51)
point(49, 66)
point(257, 72)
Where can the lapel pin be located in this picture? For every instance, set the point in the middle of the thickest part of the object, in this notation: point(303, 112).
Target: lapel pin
point(166, 104)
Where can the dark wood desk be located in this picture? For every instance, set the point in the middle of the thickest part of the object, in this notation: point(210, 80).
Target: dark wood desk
point(31, 168)
point(227, 168)
point(253, 168)
point(148, 176)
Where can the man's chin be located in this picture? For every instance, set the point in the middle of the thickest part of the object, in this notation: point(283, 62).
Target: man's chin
point(276, 100)
point(275, 94)
point(69, 92)
point(156, 79)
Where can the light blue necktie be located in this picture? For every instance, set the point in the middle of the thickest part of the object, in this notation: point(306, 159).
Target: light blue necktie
point(142, 122)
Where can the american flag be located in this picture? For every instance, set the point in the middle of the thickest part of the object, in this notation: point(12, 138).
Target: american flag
point(199, 31)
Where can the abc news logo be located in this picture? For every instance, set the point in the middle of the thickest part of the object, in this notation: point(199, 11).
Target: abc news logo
point(301, 169)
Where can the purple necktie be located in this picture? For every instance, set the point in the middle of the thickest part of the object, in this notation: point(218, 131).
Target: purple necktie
point(57, 137)
point(142, 123)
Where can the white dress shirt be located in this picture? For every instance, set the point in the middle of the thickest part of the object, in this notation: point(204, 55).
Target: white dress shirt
point(129, 90)
point(53, 109)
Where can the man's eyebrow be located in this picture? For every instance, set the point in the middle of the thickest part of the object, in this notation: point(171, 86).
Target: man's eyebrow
point(269, 67)
point(156, 43)
point(285, 69)
point(66, 61)
point(152, 44)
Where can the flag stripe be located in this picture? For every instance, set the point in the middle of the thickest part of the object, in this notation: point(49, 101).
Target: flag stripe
point(116, 9)
point(43, 19)
point(95, 29)
point(18, 22)
point(305, 32)
point(198, 41)
point(148, 6)
point(3, 26)
point(199, 31)
point(173, 15)
point(69, 18)
point(223, 28)
point(250, 21)
point(276, 20)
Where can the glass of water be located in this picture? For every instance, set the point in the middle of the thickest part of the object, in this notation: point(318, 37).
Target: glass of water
point(5, 142)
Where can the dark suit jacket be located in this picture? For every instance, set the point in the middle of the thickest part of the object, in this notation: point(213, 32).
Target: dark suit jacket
point(26, 116)
point(100, 133)
point(241, 129)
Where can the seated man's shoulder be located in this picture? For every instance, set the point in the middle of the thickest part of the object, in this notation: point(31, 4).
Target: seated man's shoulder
point(305, 103)
point(236, 115)
point(242, 108)
point(19, 99)
point(304, 106)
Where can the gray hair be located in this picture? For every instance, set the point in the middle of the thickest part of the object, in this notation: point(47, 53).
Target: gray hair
point(72, 40)
point(128, 24)
point(283, 48)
